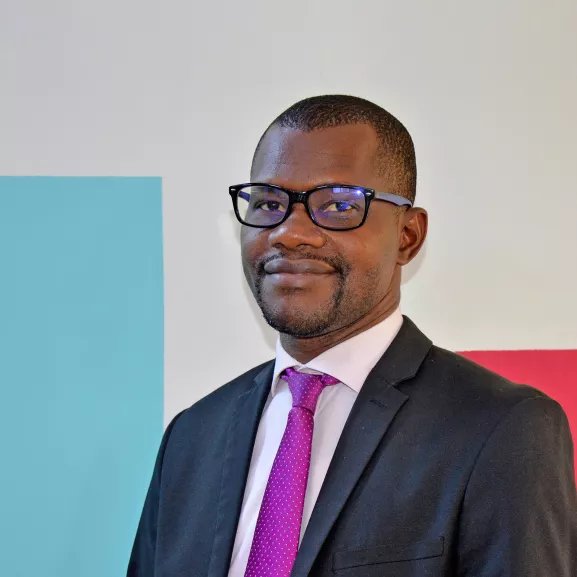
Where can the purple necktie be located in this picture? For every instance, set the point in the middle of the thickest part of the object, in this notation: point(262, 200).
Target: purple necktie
point(276, 536)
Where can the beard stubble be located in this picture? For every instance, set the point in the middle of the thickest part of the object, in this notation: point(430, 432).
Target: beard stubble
point(348, 301)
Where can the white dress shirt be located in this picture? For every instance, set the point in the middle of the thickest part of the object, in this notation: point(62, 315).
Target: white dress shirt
point(350, 362)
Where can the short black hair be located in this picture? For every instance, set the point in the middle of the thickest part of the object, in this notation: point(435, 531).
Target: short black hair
point(396, 151)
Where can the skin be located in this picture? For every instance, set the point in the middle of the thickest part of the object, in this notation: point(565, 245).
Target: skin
point(358, 281)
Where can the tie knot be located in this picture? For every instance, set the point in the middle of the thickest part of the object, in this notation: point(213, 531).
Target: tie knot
point(306, 388)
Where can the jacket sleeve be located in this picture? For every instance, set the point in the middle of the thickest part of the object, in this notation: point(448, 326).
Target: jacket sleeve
point(519, 513)
point(141, 563)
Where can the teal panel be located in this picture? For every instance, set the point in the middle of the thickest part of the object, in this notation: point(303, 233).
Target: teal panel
point(81, 370)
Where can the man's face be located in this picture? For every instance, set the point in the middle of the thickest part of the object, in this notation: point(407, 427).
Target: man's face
point(331, 279)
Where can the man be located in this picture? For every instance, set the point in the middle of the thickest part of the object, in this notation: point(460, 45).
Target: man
point(363, 449)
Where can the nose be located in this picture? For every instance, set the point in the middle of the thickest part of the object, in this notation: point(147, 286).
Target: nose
point(297, 230)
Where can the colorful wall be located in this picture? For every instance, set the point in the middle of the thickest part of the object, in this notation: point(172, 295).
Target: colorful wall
point(122, 301)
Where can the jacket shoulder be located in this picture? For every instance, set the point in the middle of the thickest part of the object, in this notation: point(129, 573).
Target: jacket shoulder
point(219, 403)
point(467, 384)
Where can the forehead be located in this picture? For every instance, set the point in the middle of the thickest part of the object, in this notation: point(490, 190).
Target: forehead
point(300, 160)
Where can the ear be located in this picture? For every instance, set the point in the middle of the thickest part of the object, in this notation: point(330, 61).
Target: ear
point(413, 224)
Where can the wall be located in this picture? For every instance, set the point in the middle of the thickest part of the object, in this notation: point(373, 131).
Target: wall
point(182, 90)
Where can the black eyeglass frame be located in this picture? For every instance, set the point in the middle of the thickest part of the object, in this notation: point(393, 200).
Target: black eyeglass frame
point(302, 197)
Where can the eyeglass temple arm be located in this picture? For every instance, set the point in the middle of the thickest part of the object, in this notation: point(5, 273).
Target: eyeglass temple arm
point(394, 198)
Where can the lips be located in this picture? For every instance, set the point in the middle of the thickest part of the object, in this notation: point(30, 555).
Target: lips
point(286, 266)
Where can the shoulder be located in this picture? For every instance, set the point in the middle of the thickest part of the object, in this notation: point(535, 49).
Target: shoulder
point(463, 377)
point(439, 380)
point(477, 396)
point(219, 404)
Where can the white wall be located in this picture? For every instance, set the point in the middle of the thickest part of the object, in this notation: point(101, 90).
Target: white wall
point(183, 90)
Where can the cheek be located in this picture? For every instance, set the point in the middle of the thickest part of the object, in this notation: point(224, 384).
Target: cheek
point(372, 266)
point(252, 244)
point(370, 255)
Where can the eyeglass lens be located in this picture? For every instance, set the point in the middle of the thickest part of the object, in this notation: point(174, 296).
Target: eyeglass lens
point(334, 207)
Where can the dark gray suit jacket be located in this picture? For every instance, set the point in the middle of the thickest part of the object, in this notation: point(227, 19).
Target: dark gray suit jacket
point(443, 469)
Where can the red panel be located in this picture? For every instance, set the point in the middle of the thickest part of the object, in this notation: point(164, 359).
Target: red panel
point(553, 372)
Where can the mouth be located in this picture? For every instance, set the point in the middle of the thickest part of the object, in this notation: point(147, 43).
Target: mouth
point(297, 273)
point(284, 266)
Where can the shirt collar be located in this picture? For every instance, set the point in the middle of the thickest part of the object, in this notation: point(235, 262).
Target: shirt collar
point(350, 361)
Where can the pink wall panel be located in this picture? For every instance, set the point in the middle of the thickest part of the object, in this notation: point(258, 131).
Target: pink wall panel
point(553, 372)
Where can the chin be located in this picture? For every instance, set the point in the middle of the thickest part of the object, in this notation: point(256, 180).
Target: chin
point(299, 312)
point(301, 322)
point(295, 329)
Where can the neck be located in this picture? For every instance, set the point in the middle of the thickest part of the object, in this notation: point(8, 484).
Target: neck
point(305, 349)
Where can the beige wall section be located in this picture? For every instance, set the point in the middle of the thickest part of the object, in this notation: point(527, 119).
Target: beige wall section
point(183, 89)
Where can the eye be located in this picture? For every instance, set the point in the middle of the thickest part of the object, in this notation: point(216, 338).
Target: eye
point(270, 206)
point(340, 206)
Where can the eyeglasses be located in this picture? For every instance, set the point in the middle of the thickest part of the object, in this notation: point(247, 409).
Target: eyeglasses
point(330, 206)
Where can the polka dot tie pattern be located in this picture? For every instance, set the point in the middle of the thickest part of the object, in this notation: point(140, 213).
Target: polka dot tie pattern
point(276, 537)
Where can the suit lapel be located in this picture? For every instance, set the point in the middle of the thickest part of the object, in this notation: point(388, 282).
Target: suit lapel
point(368, 422)
point(373, 412)
point(241, 435)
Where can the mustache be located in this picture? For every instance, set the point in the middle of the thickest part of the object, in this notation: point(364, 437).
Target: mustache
point(340, 266)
